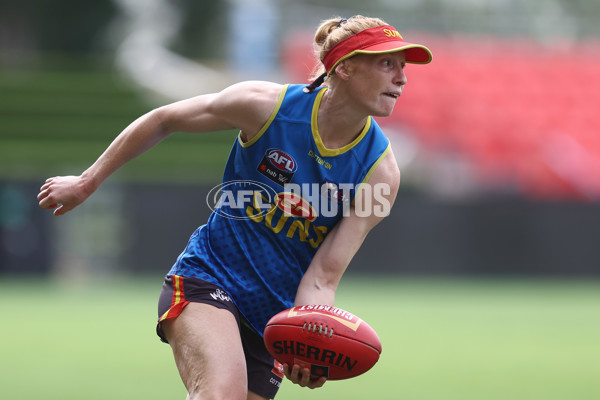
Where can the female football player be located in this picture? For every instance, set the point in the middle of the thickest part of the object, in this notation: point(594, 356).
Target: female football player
point(310, 174)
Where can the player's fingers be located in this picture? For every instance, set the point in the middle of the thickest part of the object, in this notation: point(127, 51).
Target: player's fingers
point(50, 206)
point(42, 194)
point(47, 184)
point(294, 374)
point(306, 380)
point(63, 208)
point(317, 383)
point(287, 371)
point(301, 376)
point(46, 201)
point(60, 210)
point(305, 377)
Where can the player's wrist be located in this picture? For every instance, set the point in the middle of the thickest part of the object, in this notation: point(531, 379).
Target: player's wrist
point(88, 183)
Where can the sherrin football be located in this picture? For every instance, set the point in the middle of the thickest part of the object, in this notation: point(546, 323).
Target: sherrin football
point(329, 341)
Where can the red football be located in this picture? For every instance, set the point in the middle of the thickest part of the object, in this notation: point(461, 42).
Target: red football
point(329, 341)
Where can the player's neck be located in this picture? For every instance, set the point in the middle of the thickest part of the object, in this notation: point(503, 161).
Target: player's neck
point(338, 122)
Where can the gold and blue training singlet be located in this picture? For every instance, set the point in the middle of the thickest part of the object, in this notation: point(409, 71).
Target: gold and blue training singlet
point(282, 192)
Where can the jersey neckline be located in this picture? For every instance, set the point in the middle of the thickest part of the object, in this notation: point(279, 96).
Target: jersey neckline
point(317, 136)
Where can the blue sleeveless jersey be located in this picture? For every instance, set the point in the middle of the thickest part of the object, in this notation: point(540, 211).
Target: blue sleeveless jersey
point(282, 192)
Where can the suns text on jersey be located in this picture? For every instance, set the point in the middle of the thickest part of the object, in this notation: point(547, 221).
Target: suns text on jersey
point(281, 217)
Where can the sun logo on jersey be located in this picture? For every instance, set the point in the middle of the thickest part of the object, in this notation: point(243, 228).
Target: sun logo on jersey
point(293, 204)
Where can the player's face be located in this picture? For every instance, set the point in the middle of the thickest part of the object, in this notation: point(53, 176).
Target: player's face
point(378, 81)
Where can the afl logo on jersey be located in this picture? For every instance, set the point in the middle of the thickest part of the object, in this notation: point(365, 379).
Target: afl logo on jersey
point(278, 166)
point(281, 160)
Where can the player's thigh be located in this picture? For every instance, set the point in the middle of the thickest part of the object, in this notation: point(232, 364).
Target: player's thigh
point(208, 351)
point(254, 396)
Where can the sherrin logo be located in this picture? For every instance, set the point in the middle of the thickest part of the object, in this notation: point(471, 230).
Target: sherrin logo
point(342, 316)
point(281, 160)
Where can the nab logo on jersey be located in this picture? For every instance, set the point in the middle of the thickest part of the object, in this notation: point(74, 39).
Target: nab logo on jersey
point(278, 166)
point(281, 160)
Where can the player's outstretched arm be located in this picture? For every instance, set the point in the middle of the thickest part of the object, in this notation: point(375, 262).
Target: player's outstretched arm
point(319, 284)
point(63, 193)
point(245, 106)
point(321, 279)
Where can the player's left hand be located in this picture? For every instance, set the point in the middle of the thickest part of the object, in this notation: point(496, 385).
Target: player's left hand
point(301, 376)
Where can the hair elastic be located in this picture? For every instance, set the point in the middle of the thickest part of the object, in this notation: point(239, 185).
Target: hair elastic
point(315, 84)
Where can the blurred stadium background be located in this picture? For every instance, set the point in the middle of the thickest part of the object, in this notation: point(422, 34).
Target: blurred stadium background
point(489, 262)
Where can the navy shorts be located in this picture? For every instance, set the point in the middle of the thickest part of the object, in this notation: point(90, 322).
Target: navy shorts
point(264, 373)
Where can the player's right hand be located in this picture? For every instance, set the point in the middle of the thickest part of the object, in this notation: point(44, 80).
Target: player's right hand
point(301, 376)
point(62, 194)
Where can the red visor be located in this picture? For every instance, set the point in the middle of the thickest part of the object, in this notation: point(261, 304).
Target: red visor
point(381, 39)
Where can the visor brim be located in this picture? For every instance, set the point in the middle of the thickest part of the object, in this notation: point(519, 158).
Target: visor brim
point(415, 53)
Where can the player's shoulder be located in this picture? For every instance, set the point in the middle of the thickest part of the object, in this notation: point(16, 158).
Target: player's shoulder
point(248, 105)
point(255, 90)
point(387, 171)
point(254, 97)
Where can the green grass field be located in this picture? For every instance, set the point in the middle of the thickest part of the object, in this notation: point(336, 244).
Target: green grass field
point(442, 340)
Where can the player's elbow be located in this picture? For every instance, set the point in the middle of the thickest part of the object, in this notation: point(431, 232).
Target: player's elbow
point(161, 118)
point(329, 276)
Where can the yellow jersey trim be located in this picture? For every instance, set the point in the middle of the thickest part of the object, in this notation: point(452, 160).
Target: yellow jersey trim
point(267, 124)
point(372, 169)
point(317, 137)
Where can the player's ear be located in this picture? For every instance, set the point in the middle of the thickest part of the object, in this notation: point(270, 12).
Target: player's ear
point(344, 69)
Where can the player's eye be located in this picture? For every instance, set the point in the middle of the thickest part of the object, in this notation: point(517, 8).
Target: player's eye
point(387, 63)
